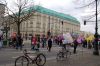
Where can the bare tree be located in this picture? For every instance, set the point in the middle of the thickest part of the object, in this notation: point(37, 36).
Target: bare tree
point(24, 11)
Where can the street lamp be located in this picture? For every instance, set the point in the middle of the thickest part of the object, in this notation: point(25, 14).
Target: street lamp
point(48, 32)
point(95, 52)
point(62, 27)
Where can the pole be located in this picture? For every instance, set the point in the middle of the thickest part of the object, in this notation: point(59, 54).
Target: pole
point(62, 27)
point(49, 23)
point(96, 52)
point(48, 32)
point(59, 26)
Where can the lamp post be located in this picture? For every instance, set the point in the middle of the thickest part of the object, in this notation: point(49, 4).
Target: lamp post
point(62, 27)
point(48, 32)
point(96, 52)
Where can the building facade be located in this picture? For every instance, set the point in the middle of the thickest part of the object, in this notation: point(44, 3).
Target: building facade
point(2, 11)
point(44, 20)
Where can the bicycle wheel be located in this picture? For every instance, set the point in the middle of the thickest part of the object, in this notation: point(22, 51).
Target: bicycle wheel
point(22, 61)
point(68, 53)
point(60, 56)
point(40, 59)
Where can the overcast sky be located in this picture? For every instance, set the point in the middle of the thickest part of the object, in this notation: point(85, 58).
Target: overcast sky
point(70, 7)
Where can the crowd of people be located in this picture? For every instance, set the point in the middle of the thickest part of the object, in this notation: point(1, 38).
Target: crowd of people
point(46, 42)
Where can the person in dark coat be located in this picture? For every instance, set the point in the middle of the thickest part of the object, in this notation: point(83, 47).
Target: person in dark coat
point(89, 44)
point(75, 45)
point(85, 43)
point(19, 42)
point(49, 44)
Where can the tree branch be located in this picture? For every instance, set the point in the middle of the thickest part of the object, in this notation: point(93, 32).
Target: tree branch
point(86, 5)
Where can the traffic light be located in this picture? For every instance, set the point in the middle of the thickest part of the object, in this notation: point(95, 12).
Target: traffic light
point(85, 22)
point(62, 22)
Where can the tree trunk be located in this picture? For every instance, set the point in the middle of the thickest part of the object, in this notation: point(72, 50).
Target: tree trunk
point(18, 28)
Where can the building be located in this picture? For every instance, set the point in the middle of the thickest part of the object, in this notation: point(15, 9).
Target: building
point(45, 19)
point(2, 11)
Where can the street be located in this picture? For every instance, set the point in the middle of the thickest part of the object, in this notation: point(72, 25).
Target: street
point(83, 56)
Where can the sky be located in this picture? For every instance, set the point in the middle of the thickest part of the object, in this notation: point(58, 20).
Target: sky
point(71, 7)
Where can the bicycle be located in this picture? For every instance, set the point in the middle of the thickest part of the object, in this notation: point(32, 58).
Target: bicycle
point(63, 54)
point(25, 59)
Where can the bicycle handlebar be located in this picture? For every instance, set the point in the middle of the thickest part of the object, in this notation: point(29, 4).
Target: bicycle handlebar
point(25, 52)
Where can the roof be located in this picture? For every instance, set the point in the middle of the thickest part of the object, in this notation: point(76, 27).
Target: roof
point(43, 10)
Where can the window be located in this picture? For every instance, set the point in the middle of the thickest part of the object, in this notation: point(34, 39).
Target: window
point(31, 22)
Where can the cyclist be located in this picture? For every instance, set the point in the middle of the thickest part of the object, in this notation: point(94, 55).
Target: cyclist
point(64, 42)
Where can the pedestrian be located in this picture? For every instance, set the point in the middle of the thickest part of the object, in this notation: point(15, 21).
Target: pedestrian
point(19, 42)
point(89, 44)
point(14, 41)
point(0, 42)
point(85, 43)
point(64, 43)
point(34, 41)
point(93, 43)
point(49, 44)
point(75, 45)
point(55, 39)
point(43, 39)
point(58, 41)
point(38, 42)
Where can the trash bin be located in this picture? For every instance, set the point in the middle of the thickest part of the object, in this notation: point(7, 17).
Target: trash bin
point(5, 43)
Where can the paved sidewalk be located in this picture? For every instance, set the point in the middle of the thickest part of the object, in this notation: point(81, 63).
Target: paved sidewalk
point(84, 57)
point(79, 59)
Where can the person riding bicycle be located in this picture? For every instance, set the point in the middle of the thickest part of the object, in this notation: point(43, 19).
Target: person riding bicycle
point(64, 42)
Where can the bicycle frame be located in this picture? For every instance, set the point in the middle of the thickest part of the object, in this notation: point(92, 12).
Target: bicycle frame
point(28, 57)
point(36, 60)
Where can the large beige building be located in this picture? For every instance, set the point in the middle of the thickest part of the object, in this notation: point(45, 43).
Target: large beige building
point(45, 19)
point(2, 11)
